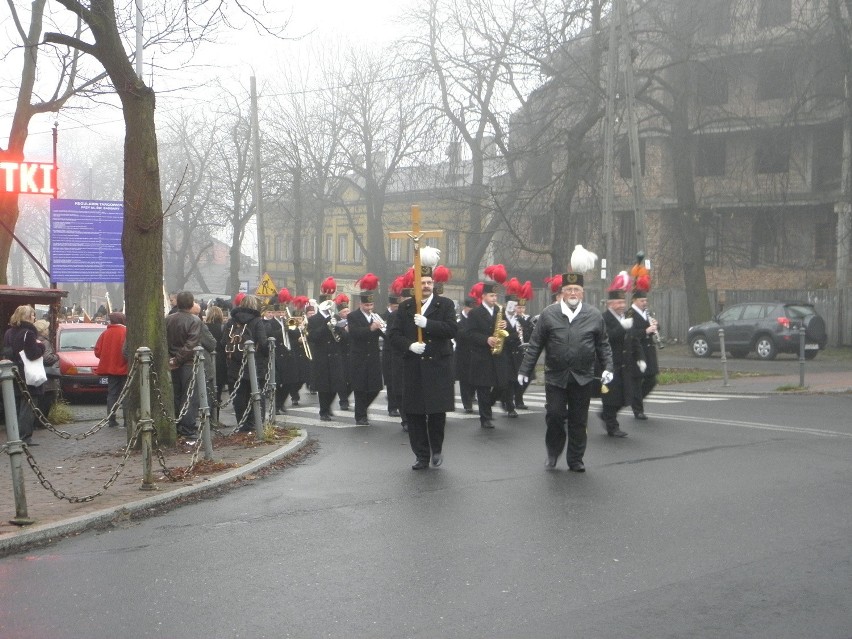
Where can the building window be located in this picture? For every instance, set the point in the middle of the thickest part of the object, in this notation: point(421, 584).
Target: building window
point(342, 248)
point(710, 156)
point(279, 248)
point(624, 168)
point(825, 244)
point(774, 13)
point(358, 255)
point(774, 77)
point(625, 237)
point(453, 248)
point(828, 157)
point(395, 252)
point(328, 252)
point(289, 249)
point(542, 230)
point(764, 245)
point(307, 248)
point(711, 83)
point(772, 153)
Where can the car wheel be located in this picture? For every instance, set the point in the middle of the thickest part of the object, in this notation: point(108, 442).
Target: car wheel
point(739, 353)
point(700, 346)
point(765, 348)
point(810, 354)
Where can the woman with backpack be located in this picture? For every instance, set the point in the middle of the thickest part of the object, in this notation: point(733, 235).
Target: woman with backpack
point(245, 324)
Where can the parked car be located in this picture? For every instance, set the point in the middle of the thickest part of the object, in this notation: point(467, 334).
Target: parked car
point(767, 328)
point(75, 345)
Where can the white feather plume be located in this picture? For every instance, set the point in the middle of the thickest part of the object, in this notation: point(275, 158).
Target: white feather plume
point(429, 256)
point(582, 260)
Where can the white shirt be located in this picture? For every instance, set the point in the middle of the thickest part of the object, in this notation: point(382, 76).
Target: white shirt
point(490, 309)
point(640, 312)
point(425, 304)
point(566, 310)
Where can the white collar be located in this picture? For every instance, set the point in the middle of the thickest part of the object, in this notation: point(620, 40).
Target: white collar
point(566, 310)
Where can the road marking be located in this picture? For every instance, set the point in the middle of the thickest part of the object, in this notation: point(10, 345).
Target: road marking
point(818, 432)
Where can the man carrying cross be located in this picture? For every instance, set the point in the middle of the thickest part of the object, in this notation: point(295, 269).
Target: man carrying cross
point(423, 329)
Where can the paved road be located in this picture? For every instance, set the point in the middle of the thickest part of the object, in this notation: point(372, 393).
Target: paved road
point(722, 516)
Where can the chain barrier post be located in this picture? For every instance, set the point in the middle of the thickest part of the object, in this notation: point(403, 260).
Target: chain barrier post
point(273, 380)
point(724, 357)
point(802, 356)
point(256, 398)
point(203, 408)
point(15, 446)
point(143, 354)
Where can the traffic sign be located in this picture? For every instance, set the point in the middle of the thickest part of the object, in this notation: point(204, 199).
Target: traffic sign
point(266, 288)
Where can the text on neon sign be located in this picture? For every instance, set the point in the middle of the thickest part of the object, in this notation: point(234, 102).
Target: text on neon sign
point(27, 177)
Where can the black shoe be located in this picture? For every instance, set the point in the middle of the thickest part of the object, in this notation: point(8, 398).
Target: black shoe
point(345, 407)
point(512, 413)
point(521, 406)
point(393, 413)
point(468, 411)
point(487, 423)
point(550, 462)
point(404, 427)
point(641, 416)
point(295, 402)
point(280, 411)
point(420, 464)
point(29, 442)
point(362, 422)
point(577, 467)
point(437, 459)
point(325, 418)
point(616, 432)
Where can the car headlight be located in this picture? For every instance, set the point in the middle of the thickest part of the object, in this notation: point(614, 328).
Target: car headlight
point(80, 370)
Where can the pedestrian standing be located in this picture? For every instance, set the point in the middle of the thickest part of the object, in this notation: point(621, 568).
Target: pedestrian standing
point(645, 331)
point(365, 328)
point(112, 363)
point(183, 334)
point(573, 336)
point(245, 324)
point(50, 389)
point(21, 335)
point(428, 383)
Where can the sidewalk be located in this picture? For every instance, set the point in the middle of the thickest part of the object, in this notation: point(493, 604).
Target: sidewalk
point(80, 468)
point(815, 383)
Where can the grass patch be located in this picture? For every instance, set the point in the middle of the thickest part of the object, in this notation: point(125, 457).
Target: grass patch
point(790, 388)
point(689, 375)
point(60, 413)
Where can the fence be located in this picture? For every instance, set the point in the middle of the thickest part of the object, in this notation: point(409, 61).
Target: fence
point(143, 430)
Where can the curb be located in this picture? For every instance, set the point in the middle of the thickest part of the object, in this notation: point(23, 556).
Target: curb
point(46, 533)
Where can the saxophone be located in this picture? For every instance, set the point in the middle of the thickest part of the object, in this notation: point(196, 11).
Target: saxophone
point(499, 333)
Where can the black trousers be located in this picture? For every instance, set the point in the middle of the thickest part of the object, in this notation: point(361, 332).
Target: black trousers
point(467, 391)
point(363, 399)
point(518, 391)
point(181, 378)
point(325, 400)
point(426, 434)
point(642, 386)
point(485, 397)
point(567, 412)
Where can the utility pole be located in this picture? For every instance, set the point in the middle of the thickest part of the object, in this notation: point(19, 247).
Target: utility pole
point(255, 133)
point(139, 37)
point(609, 141)
point(633, 127)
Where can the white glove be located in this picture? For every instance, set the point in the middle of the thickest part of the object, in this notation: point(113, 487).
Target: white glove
point(522, 379)
point(417, 348)
point(420, 320)
point(606, 378)
point(643, 365)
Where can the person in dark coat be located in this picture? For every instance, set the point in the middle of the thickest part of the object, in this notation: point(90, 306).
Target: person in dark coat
point(327, 352)
point(526, 325)
point(275, 329)
point(625, 353)
point(245, 324)
point(21, 335)
point(489, 373)
point(183, 334)
point(393, 389)
point(462, 357)
point(342, 329)
point(365, 364)
point(573, 335)
point(514, 353)
point(428, 384)
point(215, 320)
point(644, 329)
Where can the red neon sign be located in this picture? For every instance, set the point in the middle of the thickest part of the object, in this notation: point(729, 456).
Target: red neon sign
point(27, 178)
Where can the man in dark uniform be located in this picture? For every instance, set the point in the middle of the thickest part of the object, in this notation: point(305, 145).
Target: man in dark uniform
point(342, 329)
point(365, 366)
point(574, 337)
point(524, 327)
point(462, 357)
point(429, 388)
point(327, 359)
point(393, 392)
point(644, 328)
point(625, 353)
point(489, 372)
point(513, 347)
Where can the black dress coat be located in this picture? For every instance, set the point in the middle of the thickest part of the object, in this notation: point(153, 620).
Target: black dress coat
point(484, 368)
point(365, 359)
point(327, 352)
point(646, 343)
point(462, 352)
point(428, 381)
point(254, 331)
point(625, 353)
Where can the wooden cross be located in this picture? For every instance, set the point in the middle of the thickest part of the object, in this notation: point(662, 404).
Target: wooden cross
point(415, 235)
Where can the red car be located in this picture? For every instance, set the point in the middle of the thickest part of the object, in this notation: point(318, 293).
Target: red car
point(75, 345)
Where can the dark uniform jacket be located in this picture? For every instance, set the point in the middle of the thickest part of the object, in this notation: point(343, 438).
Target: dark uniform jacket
point(428, 383)
point(514, 349)
point(572, 348)
point(462, 351)
point(327, 352)
point(625, 353)
point(391, 358)
point(485, 369)
point(254, 331)
point(646, 343)
point(365, 364)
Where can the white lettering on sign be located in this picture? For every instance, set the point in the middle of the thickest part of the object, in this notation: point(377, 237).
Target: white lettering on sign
point(27, 177)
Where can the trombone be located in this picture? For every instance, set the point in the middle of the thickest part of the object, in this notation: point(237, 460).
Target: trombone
point(298, 323)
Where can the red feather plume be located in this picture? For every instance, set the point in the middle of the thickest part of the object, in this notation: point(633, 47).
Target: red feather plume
point(513, 287)
point(441, 274)
point(476, 291)
point(301, 301)
point(239, 298)
point(328, 286)
point(368, 283)
point(284, 296)
point(408, 279)
point(496, 272)
point(398, 285)
point(526, 291)
point(343, 298)
point(554, 282)
point(642, 283)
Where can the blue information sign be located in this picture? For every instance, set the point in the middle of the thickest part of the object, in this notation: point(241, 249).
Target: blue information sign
point(85, 241)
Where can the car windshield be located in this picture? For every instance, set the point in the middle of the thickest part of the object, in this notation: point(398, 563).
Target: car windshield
point(799, 311)
point(71, 339)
